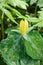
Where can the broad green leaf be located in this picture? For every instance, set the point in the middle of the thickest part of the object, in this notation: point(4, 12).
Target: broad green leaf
point(13, 49)
point(34, 45)
point(10, 48)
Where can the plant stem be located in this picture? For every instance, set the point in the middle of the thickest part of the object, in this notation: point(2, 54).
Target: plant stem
point(36, 8)
point(2, 26)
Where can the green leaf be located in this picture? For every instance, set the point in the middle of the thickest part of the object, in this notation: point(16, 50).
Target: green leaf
point(10, 48)
point(9, 15)
point(40, 24)
point(34, 20)
point(41, 15)
point(22, 5)
point(40, 3)
point(29, 62)
point(12, 2)
point(34, 45)
point(15, 11)
point(33, 1)
point(19, 3)
point(26, 60)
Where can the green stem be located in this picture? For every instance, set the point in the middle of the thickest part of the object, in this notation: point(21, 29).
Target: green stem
point(2, 26)
point(36, 8)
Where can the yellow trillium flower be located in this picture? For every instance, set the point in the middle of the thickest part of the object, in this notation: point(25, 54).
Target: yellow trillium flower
point(23, 27)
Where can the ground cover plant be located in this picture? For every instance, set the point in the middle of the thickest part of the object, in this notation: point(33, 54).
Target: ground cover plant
point(21, 32)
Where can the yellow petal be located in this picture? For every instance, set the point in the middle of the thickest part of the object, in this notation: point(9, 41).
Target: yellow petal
point(23, 26)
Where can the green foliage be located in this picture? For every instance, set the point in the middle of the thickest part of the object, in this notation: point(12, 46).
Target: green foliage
point(34, 45)
point(40, 2)
point(41, 14)
point(4, 5)
point(33, 1)
point(9, 15)
point(15, 48)
point(18, 3)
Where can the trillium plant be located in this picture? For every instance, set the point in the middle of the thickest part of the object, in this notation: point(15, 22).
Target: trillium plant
point(21, 32)
point(22, 46)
